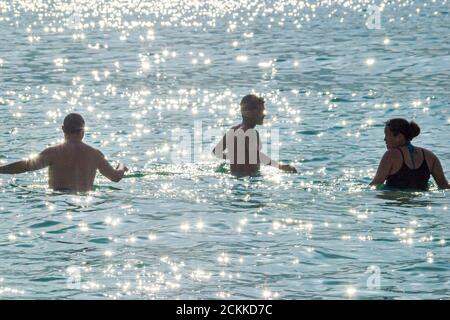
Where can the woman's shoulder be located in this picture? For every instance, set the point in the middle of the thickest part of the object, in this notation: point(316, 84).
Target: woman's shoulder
point(391, 156)
point(430, 157)
point(393, 153)
point(428, 153)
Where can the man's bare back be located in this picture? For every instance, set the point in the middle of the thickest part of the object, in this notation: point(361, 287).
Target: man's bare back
point(72, 164)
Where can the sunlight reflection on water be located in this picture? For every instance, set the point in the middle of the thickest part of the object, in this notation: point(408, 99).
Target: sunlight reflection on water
point(143, 71)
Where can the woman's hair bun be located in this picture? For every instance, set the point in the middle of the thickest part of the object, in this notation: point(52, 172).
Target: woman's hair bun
point(414, 130)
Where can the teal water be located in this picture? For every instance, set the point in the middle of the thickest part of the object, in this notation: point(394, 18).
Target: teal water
point(137, 70)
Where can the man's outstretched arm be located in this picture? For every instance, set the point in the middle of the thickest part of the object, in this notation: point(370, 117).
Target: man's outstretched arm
point(109, 172)
point(265, 159)
point(220, 150)
point(43, 160)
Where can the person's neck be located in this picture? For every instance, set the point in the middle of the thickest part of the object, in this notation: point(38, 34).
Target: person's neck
point(248, 124)
point(72, 140)
point(407, 143)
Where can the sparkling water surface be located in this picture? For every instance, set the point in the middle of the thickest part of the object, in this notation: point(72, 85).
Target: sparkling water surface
point(141, 71)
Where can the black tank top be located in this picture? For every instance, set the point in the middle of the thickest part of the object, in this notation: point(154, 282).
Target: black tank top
point(407, 178)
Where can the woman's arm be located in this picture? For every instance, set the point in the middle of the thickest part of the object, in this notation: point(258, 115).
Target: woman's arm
point(384, 168)
point(438, 174)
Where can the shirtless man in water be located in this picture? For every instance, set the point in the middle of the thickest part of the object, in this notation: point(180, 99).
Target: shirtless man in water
point(241, 144)
point(72, 164)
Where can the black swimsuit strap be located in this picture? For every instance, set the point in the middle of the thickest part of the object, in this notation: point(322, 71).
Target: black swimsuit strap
point(403, 158)
point(425, 160)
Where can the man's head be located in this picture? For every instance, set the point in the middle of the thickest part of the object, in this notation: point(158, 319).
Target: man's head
point(252, 109)
point(73, 126)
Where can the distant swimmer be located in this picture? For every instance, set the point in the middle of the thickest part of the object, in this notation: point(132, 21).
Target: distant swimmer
point(405, 166)
point(72, 164)
point(241, 145)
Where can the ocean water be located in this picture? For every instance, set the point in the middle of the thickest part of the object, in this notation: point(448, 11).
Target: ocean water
point(141, 72)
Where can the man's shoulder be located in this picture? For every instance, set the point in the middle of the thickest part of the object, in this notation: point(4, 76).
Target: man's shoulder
point(93, 150)
point(51, 150)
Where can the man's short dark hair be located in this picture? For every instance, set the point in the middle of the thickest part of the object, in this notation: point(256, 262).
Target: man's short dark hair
point(251, 102)
point(73, 123)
